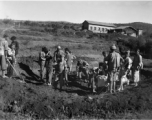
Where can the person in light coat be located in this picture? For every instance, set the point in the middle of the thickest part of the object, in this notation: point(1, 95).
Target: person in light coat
point(113, 60)
point(136, 66)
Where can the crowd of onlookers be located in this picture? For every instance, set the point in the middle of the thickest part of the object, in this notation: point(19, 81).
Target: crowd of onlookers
point(8, 55)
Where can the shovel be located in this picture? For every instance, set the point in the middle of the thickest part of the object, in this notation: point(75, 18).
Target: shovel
point(15, 71)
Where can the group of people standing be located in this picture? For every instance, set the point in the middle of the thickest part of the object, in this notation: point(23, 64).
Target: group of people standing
point(112, 66)
point(8, 55)
point(116, 63)
point(60, 61)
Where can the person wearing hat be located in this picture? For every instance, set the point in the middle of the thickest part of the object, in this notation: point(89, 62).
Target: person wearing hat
point(59, 61)
point(15, 43)
point(3, 54)
point(113, 60)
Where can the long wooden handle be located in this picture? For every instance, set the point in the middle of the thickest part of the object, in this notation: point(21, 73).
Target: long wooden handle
point(12, 67)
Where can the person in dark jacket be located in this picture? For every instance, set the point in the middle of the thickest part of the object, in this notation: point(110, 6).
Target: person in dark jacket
point(14, 42)
point(49, 67)
point(42, 60)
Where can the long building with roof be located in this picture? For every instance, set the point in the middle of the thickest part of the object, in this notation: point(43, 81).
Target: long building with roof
point(100, 27)
point(97, 27)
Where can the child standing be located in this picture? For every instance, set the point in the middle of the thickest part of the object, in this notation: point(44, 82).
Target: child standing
point(11, 60)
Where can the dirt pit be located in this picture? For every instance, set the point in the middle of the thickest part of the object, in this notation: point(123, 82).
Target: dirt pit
point(38, 101)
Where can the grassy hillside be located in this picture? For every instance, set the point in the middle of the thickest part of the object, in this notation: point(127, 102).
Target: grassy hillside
point(37, 101)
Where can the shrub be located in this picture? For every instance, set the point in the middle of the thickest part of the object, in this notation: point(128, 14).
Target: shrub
point(80, 33)
point(7, 21)
point(66, 32)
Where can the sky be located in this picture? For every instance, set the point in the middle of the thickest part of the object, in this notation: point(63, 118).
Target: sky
point(78, 11)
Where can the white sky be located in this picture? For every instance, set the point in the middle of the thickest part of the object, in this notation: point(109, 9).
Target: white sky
point(78, 11)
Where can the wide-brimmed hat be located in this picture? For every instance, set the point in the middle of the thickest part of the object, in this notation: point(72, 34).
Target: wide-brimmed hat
point(113, 47)
point(58, 47)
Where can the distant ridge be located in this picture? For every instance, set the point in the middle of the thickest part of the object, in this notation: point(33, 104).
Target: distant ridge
point(146, 27)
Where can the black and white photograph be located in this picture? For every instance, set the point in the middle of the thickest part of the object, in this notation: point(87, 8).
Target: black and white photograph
point(75, 59)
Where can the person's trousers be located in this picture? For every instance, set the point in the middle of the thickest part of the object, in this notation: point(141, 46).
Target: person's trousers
point(3, 63)
point(49, 74)
point(10, 70)
point(59, 71)
point(42, 72)
point(135, 75)
point(112, 76)
point(84, 71)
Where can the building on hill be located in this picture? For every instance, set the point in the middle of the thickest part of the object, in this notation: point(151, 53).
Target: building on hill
point(97, 27)
point(127, 30)
point(140, 32)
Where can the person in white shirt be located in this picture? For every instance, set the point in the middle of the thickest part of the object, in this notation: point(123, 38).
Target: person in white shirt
point(11, 60)
point(3, 54)
point(136, 66)
point(42, 60)
point(127, 63)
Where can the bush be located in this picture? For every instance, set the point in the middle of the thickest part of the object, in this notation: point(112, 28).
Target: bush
point(80, 33)
point(38, 29)
point(8, 21)
point(67, 32)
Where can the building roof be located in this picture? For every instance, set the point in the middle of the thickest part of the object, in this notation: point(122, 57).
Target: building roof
point(124, 27)
point(100, 23)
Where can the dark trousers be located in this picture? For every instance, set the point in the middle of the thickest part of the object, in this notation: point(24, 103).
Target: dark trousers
point(10, 70)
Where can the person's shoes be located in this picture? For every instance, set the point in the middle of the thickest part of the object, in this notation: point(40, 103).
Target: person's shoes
point(136, 85)
point(4, 76)
point(94, 91)
point(85, 81)
point(114, 91)
point(66, 83)
point(49, 84)
point(119, 90)
point(111, 91)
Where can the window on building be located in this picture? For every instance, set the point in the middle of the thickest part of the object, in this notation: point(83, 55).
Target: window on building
point(94, 28)
point(91, 28)
point(102, 29)
point(99, 29)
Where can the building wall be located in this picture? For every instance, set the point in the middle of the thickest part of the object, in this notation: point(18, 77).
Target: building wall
point(131, 32)
point(85, 25)
point(133, 35)
point(99, 29)
point(140, 32)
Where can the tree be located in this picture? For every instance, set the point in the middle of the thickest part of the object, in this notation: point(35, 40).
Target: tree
point(7, 21)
